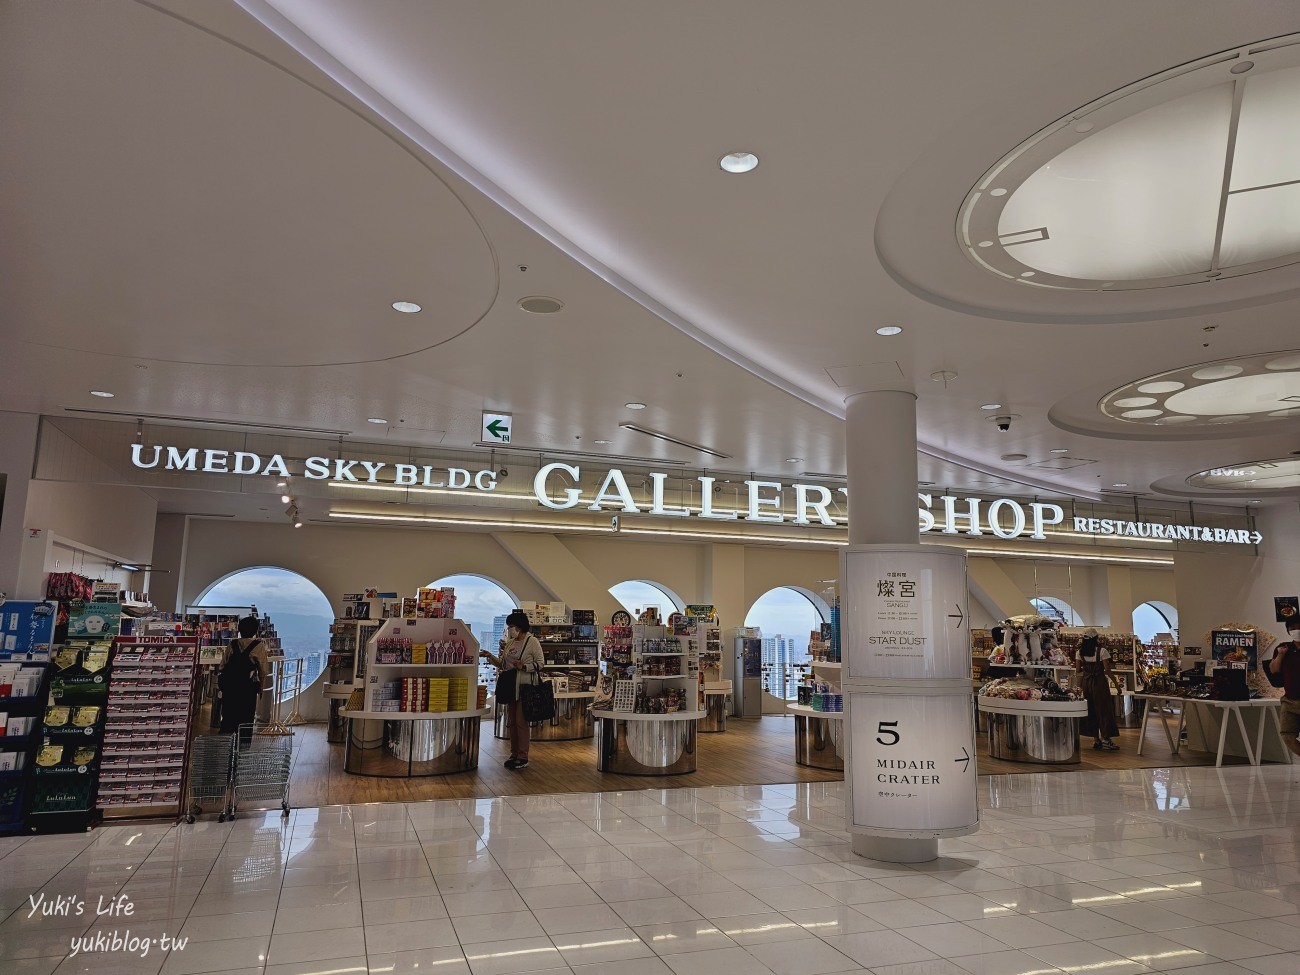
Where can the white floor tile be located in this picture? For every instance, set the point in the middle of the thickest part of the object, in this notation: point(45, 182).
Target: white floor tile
point(1004, 963)
point(1156, 952)
point(811, 957)
point(508, 957)
point(654, 910)
point(601, 947)
point(682, 936)
point(952, 939)
point(715, 961)
point(879, 948)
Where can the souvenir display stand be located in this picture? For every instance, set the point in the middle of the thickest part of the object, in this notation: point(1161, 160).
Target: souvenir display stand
point(393, 733)
point(819, 719)
point(349, 635)
point(650, 727)
point(24, 688)
point(1036, 731)
point(151, 701)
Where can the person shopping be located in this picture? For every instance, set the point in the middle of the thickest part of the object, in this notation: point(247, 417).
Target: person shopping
point(1285, 666)
point(240, 680)
point(1093, 664)
point(521, 660)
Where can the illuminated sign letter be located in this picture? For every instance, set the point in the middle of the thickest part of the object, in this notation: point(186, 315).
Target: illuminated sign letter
point(1017, 518)
point(924, 517)
point(614, 479)
point(571, 494)
point(950, 515)
point(802, 504)
point(657, 499)
point(706, 502)
point(404, 474)
point(137, 449)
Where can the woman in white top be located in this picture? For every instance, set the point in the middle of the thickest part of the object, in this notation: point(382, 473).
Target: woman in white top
point(521, 661)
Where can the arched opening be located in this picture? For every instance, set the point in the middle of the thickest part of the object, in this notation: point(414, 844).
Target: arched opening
point(786, 616)
point(1056, 609)
point(298, 609)
point(1155, 617)
point(482, 604)
point(638, 595)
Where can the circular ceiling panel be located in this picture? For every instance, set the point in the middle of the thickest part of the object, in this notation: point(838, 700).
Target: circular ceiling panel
point(1281, 474)
point(1253, 388)
point(1187, 177)
point(232, 215)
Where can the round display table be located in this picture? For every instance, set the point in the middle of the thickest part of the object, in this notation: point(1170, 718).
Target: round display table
point(572, 721)
point(646, 744)
point(1038, 732)
point(409, 744)
point(818, 737)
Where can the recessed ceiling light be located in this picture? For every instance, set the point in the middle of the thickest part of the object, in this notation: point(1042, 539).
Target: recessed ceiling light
point(602, 443)
point(739, 162)
point(943, 375)
point(1060, 450)
point(991, 406)
point(285, 499)
point(889, 329)
point(102, 393)
point(794, 460)
point(634, 406)
point(1120, 484)
point(1256, 501)
point(541, 304)
point(406, 307)
point(375, 419)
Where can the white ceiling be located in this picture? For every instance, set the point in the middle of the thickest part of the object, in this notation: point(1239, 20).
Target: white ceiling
point(209, 216)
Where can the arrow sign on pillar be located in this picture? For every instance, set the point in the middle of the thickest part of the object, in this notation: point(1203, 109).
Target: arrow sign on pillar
point(959, 616)
point(965, 758)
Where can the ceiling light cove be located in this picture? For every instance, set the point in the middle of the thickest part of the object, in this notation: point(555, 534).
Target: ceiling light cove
point(1187, 177)
point(406, 307)
point(739, 162)
point(794, 460)
point(1278, 474)
point(1258, 388)
point(669, 438)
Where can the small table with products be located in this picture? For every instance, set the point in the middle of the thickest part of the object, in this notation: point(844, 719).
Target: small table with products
point(1219, 727)
point(1031, 720)
point(717, 703)
point(646, 744)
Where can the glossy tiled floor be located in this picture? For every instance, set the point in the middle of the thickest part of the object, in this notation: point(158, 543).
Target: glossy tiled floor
point(1112, 873)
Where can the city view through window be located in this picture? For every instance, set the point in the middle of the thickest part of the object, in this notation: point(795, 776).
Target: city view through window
point(300, 612)
point(785, 618)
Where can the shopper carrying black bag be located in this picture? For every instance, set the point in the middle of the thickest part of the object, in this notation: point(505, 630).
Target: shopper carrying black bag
point(519, 665)
point(537, 701)
point(240, 680)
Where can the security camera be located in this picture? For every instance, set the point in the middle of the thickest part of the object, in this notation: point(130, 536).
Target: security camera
point(1003, 422)
point(503, 473)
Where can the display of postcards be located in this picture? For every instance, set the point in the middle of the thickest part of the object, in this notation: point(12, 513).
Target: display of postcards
point(624, 695)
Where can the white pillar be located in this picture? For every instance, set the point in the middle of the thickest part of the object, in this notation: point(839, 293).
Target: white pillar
point(18, 434)
point(906, 651)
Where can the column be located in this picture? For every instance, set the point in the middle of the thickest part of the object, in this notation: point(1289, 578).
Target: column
point(18, 434)
point(910, 770)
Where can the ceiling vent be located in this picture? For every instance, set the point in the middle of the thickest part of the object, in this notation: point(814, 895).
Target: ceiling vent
point(1061, 463)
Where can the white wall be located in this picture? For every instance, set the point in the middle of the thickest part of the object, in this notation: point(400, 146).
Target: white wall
point(17, 455)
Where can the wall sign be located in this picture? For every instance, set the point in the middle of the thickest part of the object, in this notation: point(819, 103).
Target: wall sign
point(555, 488)
point(913, 761)
point(1286, 608)
point(1235, 646)
point(904, 615)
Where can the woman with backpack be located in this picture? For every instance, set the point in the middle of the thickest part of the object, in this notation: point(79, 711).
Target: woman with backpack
point(521, 661)
point(240, 681)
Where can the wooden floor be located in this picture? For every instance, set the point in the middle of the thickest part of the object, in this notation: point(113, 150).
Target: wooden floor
point(750, 752)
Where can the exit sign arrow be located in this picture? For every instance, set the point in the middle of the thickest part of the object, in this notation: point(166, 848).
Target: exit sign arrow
point(496, 427)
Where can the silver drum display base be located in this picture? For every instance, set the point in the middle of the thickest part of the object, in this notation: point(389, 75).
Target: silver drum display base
point(411, 748)
point(819, 742)
point(1036, 738)
point(633, 747)
point(716, 707)
point(572, 722)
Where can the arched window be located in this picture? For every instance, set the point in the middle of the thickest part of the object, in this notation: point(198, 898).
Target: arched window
point(638, 595)
point(482, 604)
point(1056, 609)
point(785, 616)
point(298, 609)
point(1155, 617)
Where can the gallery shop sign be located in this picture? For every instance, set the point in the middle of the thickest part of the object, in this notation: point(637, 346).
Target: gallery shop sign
point(764, 499)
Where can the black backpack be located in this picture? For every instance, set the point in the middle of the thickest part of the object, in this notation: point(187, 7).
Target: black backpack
point(239, 674)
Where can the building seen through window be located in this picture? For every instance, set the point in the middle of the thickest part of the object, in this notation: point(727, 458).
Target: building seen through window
point(786, 617)
point(482, 604)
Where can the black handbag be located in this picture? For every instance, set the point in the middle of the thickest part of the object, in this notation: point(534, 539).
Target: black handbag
point(537, 701)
